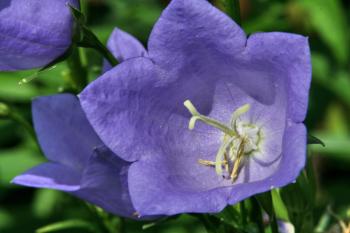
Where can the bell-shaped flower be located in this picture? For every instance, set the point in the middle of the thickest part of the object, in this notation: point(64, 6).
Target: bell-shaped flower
point(209, 117)
point(79, 163)
point(34, 33)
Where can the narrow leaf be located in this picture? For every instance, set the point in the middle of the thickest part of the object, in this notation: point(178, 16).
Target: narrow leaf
point(314, 140)
point(69, 224)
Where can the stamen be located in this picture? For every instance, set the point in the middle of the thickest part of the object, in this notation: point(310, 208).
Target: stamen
point(237, 163)
point(197, 116)
point(226, 164)
point(220, 155)
point(231, 153)
point(210, 163)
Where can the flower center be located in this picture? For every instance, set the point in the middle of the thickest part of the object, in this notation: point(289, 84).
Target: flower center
point(240, 140)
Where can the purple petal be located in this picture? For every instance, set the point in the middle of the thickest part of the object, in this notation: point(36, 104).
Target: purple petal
point(123, 46)
point(104, 183)
point(33, 33)
point(123, 94)
point(50, 175)
point(63, 131)
point(289, 55)
point(191, 32)
point(154, 191)
point(292, 162)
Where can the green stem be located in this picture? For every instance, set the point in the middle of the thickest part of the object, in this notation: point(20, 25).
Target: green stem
point(273, 219)
point(257, 214)
point(84, 7)
point(243, 213)
point(85, 38)
point(233, 10)
point(78, 73)
point(15, 116)
point(90, 40)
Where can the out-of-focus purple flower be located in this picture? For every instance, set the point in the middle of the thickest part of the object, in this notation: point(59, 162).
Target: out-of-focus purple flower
point(33, 33)
point(123, 46)
point(79, 163)
point(249, 97)
point(285, 227)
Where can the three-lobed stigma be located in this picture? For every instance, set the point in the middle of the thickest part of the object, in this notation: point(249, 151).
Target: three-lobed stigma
point(241, 139)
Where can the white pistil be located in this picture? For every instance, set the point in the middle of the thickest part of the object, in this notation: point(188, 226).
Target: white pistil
point(237, 113)
point(240, 139)
point(197, 116)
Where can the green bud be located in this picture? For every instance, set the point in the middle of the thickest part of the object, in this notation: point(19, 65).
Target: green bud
point(4, 110)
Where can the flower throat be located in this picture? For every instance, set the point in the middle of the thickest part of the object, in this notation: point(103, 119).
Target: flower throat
point(240, 140)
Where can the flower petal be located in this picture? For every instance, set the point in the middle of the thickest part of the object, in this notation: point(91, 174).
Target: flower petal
point(104, 183)
point(63, 131)
point(50, 175)
point(292, 162)
point(154, 191)
point(123, 46)
point(193, 33)
point(118, 106)
point(33, 33)
point(289, 55)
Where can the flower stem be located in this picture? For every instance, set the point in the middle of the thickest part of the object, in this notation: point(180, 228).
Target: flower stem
point(243, 213)
point(78, 73)
point(273, 219)
point(84, 37)
point(7, 112)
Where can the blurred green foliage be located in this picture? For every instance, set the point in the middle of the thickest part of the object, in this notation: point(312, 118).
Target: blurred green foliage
point(325, 22)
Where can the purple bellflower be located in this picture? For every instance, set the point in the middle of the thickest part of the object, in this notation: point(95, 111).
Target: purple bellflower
point(208, 117)
point(79, 163)
point(33, 33)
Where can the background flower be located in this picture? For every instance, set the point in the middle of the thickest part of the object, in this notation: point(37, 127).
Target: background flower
point(78, 163)
point(33, 33)
point(123, 46)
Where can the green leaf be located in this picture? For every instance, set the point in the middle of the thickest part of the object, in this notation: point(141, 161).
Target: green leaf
point(270, 18)
point(280, 208)
point(45, 201)
point(77, 14)
point(328, 18)
point(337, 146)
point(6, 219)
point(299, 201)
point(69, 225)
point(14, 162)
point(314, 140)
point(266, 203)
point(11, 90)
point(233, 9)
point(230, 215)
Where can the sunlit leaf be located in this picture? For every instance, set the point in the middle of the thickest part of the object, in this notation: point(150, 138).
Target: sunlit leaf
point(14, 162)
point(328, 18)
point(45, 201)
point(69, 225)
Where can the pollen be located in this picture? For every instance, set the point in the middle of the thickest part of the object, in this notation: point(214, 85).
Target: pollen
point(241, 139)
